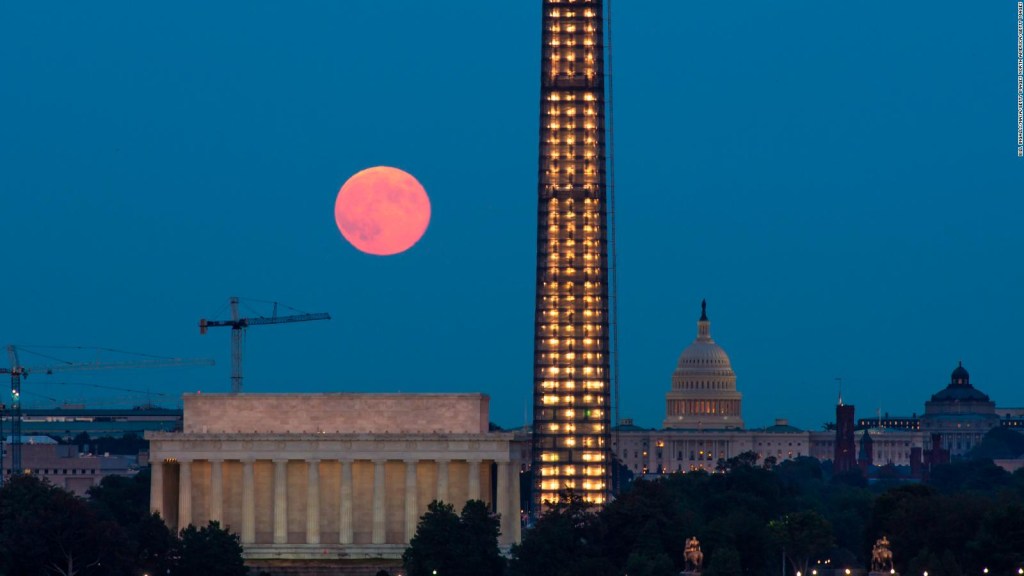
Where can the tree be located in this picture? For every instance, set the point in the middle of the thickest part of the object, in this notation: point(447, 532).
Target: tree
point(126, 499)
point(725, 561)
point(479, 537)
point(647, 521)
point(853, 477)
point(999, 544)
point(644, 564)
point(745, 459)
point(210, 550)
point(43, 527)
point(154, 544)
point(455, 545)
point(430, 549)
point(999, 443)
point(974, 475)
point(567, 540)
point(803, 536)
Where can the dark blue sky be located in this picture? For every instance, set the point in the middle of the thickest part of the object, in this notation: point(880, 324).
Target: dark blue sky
point(840, 182)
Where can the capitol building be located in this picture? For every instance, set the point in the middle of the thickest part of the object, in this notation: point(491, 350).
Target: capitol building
point(703, 386)
point(703, 424)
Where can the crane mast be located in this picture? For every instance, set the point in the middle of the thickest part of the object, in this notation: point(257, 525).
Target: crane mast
point(19, 372)
point(238, 326)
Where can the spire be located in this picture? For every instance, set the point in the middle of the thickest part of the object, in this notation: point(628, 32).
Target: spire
point(703, 325)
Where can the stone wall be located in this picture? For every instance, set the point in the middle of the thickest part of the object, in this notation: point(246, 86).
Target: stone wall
point(336, 413)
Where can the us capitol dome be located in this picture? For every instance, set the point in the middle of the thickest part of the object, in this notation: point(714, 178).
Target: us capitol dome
point(703, 395)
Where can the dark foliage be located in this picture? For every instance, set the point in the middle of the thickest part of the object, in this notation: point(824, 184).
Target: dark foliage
point(568, 540)
point(455, 545)
point(210, 550)
point(999, 443)
point(44, 529)
point(970, 517)
point(47, 530)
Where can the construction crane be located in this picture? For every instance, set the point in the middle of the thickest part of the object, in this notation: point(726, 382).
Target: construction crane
point(137, 393)
point(238, 326)
point(19, 372)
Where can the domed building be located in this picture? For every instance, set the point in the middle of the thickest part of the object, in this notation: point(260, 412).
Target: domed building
point(960, 413)
point(703, 394)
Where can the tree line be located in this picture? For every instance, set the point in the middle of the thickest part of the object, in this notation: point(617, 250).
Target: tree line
point(751, 519)
point(45, 529)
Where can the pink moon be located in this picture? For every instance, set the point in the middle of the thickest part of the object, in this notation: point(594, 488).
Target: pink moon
point(382, 211)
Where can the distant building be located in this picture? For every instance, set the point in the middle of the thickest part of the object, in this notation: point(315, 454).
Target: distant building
point(866, 458)
point(67, 422)
point(844, 453)
point(891, 422)
point(64, 466)
point(703, 394)
point(703, 425)
point(645, 451)
point(328, 481)
point(960, 414)
point(1011, 417)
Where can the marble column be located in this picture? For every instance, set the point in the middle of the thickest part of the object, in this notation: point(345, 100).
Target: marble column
point(217, 491)
point(517, 525)
point(411, 507)
point(503, 507)
point(345, 518)
point(442, 481)
point(248, 503)
point(156, 487)
point(184, 493)
point(474, 479)
point(280, 501)
point(313, 502)
point(379, 521)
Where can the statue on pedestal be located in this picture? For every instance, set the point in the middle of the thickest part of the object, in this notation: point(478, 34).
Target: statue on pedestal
point(694, 557)
point(881, 556)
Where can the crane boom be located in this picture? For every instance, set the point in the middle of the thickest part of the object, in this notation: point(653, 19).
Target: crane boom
point(115, 365)
point(261, 320)
point(19, 372)
point(238, 326)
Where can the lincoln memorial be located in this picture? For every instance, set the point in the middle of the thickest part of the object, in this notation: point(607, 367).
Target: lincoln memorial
point(330, 480)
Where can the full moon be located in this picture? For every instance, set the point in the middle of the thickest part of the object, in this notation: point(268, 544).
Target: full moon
point(382, 211)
